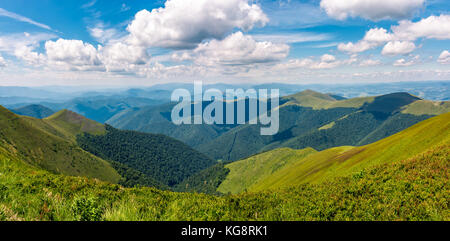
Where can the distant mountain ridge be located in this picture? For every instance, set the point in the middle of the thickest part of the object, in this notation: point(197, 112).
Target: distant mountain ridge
point(307, 119)
point(36, 111)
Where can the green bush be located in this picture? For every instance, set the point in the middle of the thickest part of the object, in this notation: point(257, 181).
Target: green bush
point(87, 209)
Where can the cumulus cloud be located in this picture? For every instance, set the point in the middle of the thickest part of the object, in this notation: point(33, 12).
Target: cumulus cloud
point(2, 61)
point(398, 47)
point(444, 57)
point(120, 56)
point(23, 46)
point(186, 23)
point(373, 38)
point(27, 54)
point(74, 54)
point(236, 49)
point(433, 27)
point(370, 9)
point(402, 36)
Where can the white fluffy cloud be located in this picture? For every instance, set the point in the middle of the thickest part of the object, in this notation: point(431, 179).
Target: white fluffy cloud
point(371, 9)
point(398, 47)
point(2, 61)
point(373, 38)
point(23, 46)
point(444, 57)
point(74, 54)
point(27, 54)
point(123, 57)
point(186, 23)
point(433, 27)
point(401, 39)
point(236, 49)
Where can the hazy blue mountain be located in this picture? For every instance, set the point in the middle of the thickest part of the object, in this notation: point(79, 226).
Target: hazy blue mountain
point(36, 111)
point(102, 108)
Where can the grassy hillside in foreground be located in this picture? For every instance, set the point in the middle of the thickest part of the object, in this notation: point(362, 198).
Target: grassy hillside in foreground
point(247, 172)
point(412, 189)
point(338, 162)
point(40, 148)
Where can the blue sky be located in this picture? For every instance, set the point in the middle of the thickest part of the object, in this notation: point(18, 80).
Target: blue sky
point(136, 42)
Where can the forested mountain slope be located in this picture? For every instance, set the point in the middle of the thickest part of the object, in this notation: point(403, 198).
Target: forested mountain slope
point(163, 158)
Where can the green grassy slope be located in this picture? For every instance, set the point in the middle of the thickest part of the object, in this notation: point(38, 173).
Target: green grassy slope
point(73, 124)
point(337, 161)
point(316, 100)
point(427, 107)
point(412, 189)
point(250, 171)
point(40, 148)
point(67, 125)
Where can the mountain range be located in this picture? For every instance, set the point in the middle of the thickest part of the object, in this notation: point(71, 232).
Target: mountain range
point(401, 177)
point(307, 119)
point(333, 159)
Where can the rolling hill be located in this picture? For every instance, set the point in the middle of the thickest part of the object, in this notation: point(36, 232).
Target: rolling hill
point(339, 161)
point(40, 148)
